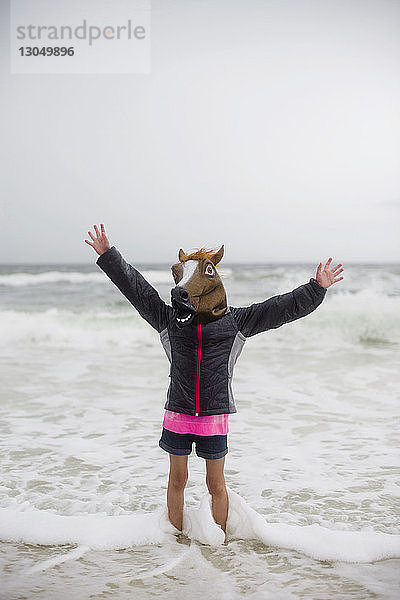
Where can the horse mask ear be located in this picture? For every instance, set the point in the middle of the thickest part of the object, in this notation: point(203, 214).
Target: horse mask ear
point(181, 255)
point(218, 255)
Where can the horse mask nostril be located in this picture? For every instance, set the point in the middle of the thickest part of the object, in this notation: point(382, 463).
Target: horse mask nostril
point(179, 294)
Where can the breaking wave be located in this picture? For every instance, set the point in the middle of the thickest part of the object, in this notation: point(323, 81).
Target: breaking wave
point(104, 532)
point(366, 316)
point(76, 277)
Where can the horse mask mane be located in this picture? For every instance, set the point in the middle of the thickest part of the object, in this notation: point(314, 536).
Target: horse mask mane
point(199, 295)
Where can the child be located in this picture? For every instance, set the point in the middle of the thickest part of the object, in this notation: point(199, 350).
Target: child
point(203, 337)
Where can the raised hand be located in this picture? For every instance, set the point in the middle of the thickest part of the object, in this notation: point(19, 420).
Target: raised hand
point(100, 243)
point(328, 276)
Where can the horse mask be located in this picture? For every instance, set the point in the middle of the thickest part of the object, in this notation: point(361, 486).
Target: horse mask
point(199, 295)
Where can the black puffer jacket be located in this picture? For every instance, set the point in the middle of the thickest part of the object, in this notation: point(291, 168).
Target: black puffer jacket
point(202, 357)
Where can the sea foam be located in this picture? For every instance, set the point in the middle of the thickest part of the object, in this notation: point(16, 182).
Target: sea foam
point(75, 277)
point(348, 318)
point(102, 532)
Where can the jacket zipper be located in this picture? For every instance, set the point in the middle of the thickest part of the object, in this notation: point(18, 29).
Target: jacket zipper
point(200, 342)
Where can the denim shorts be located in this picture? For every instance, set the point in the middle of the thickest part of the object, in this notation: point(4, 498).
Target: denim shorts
point(207, 446)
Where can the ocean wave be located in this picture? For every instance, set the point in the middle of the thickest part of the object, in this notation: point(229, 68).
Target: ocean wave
point(103, 532)
point(25, 279)
point(75, 277)
point(367, 316)
point(63, 328)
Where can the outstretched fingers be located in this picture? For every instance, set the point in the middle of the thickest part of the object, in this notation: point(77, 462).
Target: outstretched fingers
point(328, 262)
point(336, 267)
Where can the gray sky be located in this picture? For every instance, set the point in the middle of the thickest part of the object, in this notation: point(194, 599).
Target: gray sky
point(271, 127)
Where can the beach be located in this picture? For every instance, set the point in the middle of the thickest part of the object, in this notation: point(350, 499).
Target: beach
point(315, 442)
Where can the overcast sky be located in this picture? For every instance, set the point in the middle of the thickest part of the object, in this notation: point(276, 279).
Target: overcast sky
point(270, 126)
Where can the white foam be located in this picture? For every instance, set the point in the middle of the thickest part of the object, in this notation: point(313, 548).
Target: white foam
point(367, 315)
point(21, 279)
point(313, 540)
point(199, 524)
point(61, 327)
point(345, 318)
point(57, 560)
point(25, 279)
point(99, 532)
point(102, 532)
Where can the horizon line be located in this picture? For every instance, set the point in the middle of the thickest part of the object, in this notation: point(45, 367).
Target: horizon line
point(231, 263)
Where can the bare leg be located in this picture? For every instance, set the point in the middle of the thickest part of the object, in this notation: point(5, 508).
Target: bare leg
point(178, 475)
point(216, 486)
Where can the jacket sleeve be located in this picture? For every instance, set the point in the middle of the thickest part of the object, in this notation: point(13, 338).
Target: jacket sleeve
point(280, 309)
point(135, 288)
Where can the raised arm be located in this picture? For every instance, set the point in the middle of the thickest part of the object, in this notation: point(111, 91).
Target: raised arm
point(284, 308)
point(130, 282)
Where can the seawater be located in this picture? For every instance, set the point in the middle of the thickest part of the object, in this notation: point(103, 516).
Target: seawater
point(313, 464)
